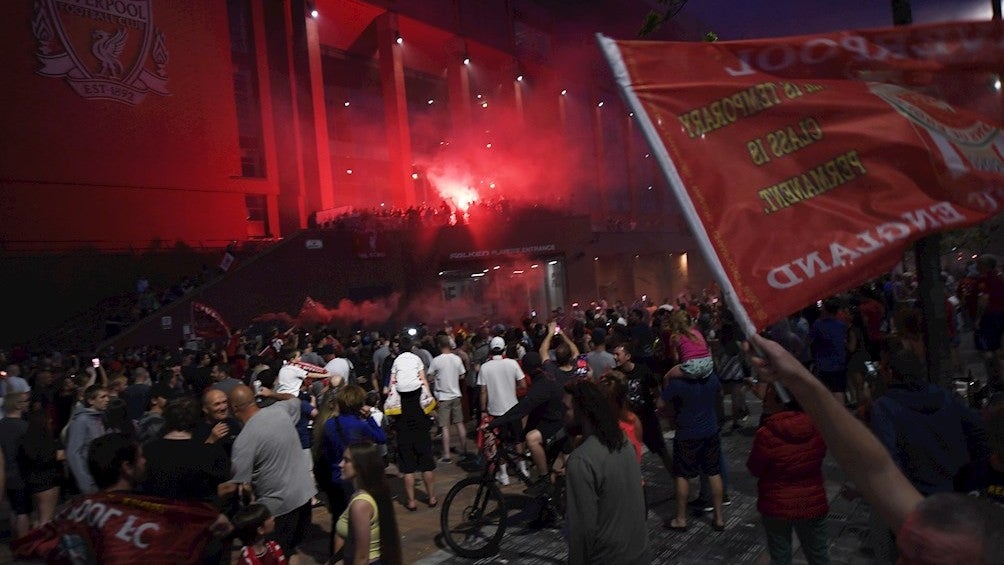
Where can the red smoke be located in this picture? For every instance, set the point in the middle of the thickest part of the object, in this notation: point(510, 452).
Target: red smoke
point(370, 313)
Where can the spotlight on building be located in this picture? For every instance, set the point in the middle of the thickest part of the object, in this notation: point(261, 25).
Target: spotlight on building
point(314, 13)
point(519, 78)
point(600, 105)
point(467, 60)
point(564, 92)
point(399, 40)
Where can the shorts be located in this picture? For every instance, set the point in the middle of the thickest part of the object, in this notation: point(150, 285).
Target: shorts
point(693, 457)
point(548, 430)
point(988, 336)
point(699, 368)
point(19, 500)
point(449, 412)
point(415, 457)
point(290, 529)
point(835, 381)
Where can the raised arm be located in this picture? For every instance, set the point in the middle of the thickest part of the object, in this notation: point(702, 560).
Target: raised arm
point(571, 345)
point(545, 345)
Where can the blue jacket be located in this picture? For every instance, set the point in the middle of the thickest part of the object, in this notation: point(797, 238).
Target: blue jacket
point(929, 433)
point(342, 431)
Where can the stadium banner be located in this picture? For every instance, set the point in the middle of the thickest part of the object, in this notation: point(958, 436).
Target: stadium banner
point(808, 165)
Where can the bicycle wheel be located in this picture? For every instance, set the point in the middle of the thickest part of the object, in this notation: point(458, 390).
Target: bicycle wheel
point(473, 518)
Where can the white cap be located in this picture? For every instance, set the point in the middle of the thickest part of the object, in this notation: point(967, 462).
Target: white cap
point(496, 343)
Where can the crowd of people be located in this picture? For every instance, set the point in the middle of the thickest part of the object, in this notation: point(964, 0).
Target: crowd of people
point(501, 210)
point(241, 440)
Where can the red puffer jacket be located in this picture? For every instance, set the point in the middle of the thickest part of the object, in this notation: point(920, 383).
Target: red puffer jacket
point(787, 458)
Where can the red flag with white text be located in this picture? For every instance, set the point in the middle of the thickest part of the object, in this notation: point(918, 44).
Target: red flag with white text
point(121, 528)
point(808, 165)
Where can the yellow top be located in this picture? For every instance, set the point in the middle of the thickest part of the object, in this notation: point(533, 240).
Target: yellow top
point(342, 526)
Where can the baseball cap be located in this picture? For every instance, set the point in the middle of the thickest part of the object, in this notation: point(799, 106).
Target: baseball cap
point(497, 343)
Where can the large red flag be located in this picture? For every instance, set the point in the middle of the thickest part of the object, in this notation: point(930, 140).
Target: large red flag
point(119, 528)
point(808, 165)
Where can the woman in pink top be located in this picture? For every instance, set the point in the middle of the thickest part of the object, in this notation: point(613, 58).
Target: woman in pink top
point(692, 355)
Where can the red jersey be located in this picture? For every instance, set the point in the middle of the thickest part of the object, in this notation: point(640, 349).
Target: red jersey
point(273, 555)
point(992, 285)
point(872, 312)
point(968, 294)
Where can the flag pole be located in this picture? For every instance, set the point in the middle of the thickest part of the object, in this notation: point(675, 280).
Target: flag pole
point(613, 55)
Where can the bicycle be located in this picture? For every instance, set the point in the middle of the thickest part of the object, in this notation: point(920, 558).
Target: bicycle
point(474, 514)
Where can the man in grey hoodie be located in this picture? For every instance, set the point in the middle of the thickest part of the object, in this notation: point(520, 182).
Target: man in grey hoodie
point(85, 425)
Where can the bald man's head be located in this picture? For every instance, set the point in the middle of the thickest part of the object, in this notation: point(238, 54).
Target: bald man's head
point(242, 402)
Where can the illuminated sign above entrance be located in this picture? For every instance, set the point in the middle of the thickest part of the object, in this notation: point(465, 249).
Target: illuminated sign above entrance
point(507, 252)
point(102, 47)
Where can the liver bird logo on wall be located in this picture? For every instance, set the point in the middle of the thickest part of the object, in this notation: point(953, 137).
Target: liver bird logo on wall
point(108, 49)
point(104, 50)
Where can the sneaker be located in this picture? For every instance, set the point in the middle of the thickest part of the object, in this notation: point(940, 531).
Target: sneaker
point(521, 465)
point(503, 478)
point(539, 487)
point(726, 501)
point(445, 460)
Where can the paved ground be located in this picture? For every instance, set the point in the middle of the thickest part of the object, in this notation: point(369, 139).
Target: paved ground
point(742, 542)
